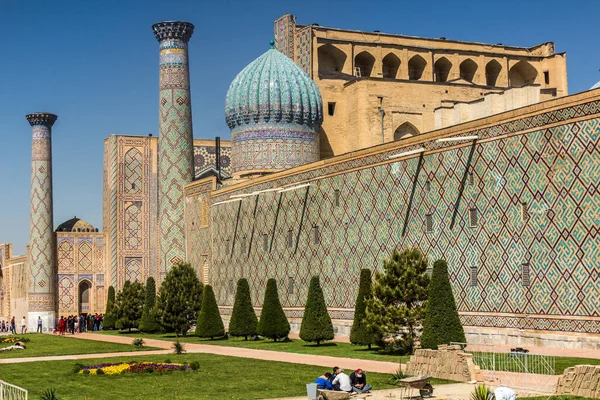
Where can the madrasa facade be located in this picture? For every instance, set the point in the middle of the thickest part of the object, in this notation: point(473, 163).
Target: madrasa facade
point(344, 146)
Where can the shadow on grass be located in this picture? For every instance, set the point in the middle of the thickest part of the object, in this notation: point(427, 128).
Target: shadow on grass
point(328, 344)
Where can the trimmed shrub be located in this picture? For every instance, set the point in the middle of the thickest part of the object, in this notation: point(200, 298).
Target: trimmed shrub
point(210, 324)
point(316, 323)
point(243, 318)
point(273, 323)
point(195, 365)
point(361, 334)
point(149, 322)
point(129, 306)
point(109, 320)
point(442, 324)
point(100, 371)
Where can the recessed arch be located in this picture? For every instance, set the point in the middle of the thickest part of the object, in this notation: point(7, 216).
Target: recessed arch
point(405, 130)
point(492, 72)
point(416, 66)
point(85, 294)
point(441, 69)
point(522, 73)
point(468, 69)
point(331, 60)
point(390, 64)
point(364, 62)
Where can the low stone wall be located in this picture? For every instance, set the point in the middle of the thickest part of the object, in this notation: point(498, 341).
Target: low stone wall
point(580, 380)
point(448, 362)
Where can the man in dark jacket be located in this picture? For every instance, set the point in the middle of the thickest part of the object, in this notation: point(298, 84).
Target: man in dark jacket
point(358, 380)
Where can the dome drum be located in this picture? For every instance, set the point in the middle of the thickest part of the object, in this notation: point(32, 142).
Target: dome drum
point(274, 111)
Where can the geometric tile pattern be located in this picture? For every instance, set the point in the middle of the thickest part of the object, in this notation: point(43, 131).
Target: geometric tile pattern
point(303, 48)
point(66, 294)
point(133, 227)
point(548, 163)
point(205, 158)
point(65, 255)
point(175, 142)
point(85, 254)
point(284, 35)
point(133, 171)
point(42, 247)
point(133, 270)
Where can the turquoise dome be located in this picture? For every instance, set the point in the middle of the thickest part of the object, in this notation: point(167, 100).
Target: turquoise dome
point(596, 86)
point(274, 111)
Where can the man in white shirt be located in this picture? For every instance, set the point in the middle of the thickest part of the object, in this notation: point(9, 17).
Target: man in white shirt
point(23, 325)
point(342, 382)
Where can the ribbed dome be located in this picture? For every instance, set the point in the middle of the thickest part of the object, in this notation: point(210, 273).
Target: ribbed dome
point(76, 225)
point(273, 89)
point(274, 111)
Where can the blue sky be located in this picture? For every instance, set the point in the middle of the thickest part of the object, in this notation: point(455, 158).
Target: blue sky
point(95, 65)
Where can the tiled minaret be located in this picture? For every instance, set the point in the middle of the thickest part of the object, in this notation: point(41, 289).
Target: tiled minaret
point(175, 142)
point(42, 250)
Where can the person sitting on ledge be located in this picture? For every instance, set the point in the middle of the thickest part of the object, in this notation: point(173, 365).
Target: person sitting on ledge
point(323, 381)
point(342, 382)
point(358, 380)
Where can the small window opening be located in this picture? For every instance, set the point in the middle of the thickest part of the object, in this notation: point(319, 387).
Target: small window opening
point(133, 186)
point(330, 108)
point(547, 77)
point(243, 245)
point(230, 287)
point(471, 179)
point(336, 195)
point(265, 242)
point(524, 212)
point(316, 235)
point(473, 218)
point(474, 279)
point(525, 274)
point(428, 186)
point(290, 239)
point(291, 282)
point(429, 223)
point(227, 248)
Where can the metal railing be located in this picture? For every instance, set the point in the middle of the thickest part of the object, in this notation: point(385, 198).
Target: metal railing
point(12, 392)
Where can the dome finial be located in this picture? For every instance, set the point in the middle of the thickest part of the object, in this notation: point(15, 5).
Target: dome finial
point(272, 43)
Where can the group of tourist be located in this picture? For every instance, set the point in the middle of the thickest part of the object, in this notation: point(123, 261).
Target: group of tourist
point(9, 326)
point(74, 324)
point(340, 381)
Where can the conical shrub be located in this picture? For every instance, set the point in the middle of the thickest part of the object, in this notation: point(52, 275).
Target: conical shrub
point(442, 324)
point(149, 322)
point(361, 334)
point(109, 320)
point(243, 318)
point(209, 324)
point(273, 323)
point(316, 322)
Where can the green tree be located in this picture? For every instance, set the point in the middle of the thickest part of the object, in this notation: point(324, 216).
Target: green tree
point(210, 324)
point(149, 323)
point(129, 306)
point(360, 334)
point(397, 307)
point(109, 320)
point(316, 323)
point(243, 318)
point(179, 299)
point(442, 324)
point(273, 323)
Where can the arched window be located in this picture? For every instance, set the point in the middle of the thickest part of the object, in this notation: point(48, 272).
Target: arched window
point(468, 68)
point(133, 171)
point(522, 73)
point(442, 69)
point(363, 64)
point(492, 71)
point(391, 63)
point(331, 61)
point(416, 66)
point(405, 130)
point(133, 227)
point(84, 296)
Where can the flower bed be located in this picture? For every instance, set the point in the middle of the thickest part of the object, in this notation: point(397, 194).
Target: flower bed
point(9, 339)
point(132, 367)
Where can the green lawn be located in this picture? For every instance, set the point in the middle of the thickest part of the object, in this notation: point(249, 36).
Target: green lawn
point(50, 345)
point(516, 364)
point(295, 346)
point(219, 377)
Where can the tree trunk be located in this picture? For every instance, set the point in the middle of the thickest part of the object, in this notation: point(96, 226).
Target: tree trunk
point(369, 346)
point(318, 342)
point(246, 338)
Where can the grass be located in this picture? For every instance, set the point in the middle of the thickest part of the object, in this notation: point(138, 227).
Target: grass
point(332, 349)
point(515, 364)
point(218, 377)
point(50, 345)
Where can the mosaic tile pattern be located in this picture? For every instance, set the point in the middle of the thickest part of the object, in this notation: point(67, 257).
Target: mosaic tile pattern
point(284, 34)
point(303, 49)
point(133, 171)
point(551, 170)
point(205, 158)
point(175, 142)
point(274, 111)
point(42, 254)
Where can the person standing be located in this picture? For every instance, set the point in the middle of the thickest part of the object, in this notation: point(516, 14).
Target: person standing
point(23, 326)
point(39, 325)
point(13, 325)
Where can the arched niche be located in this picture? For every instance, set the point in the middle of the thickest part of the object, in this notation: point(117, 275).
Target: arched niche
point(416, 66)
point(521, 74)
point(405, 130)
point(390, 64)
point(492, 72)
point(331, 61)
point(441, 69)
point(468, 69)
point(363, 64)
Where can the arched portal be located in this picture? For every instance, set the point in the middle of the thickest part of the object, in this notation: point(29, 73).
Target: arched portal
point(331, 61)
point(492, 71)
point(522, 73)
point(85, 294)
point(405, 130)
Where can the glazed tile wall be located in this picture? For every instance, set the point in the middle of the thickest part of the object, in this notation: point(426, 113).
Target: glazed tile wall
point(551, 171)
